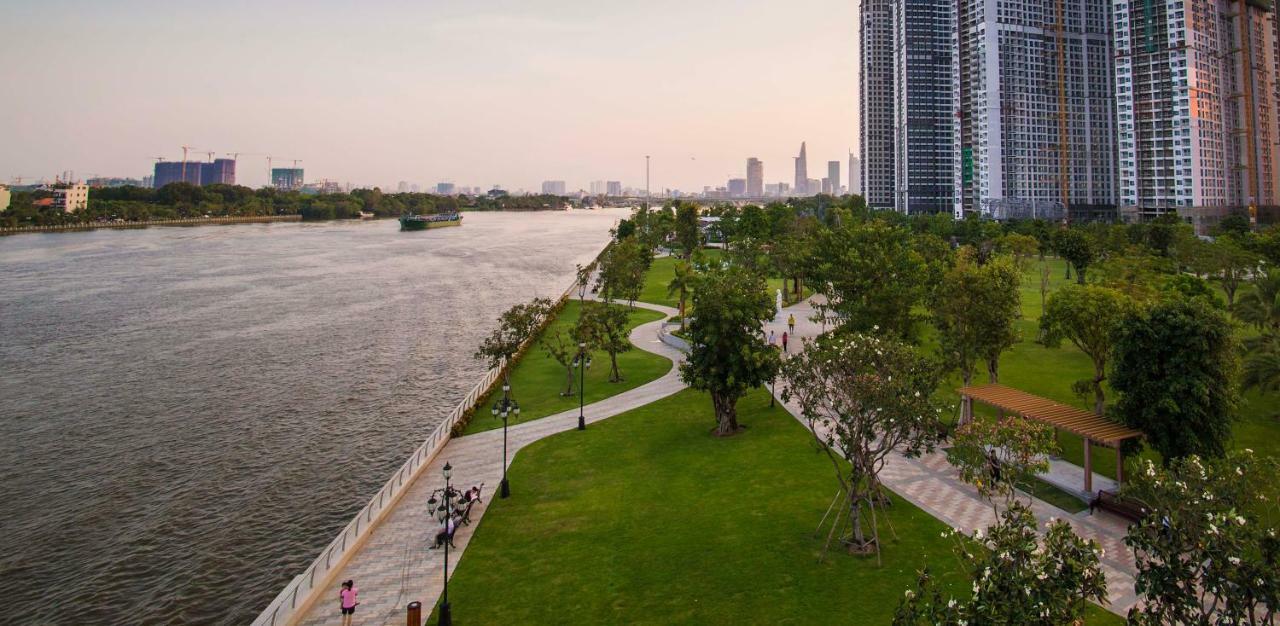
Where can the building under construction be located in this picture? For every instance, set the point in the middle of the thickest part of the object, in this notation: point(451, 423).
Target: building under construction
point(1036, 135)
point(1196, 109)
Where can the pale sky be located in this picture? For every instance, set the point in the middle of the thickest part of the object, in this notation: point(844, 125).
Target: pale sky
point(475, 92)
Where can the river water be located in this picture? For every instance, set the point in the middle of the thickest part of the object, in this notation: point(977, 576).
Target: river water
point(189, 415)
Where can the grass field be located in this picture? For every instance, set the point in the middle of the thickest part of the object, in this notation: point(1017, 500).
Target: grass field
point(649, 519)
point(537, 380)
point(1049, 372)
point(663, 270)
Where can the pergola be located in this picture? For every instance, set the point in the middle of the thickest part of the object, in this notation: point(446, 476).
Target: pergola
point(1091, 427)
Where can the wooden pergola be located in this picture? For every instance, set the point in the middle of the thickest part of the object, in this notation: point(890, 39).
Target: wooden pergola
point(1091, 427)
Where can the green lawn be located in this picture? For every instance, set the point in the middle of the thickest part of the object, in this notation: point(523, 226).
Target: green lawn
point(647, 518)
point(537, 380)
point(1049, 372)
point(663, 270)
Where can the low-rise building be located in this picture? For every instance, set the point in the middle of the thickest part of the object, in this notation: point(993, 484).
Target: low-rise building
point(71, 197)
point(5, 197)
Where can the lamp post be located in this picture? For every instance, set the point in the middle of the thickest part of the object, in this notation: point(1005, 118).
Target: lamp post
point(443, 514)
point(582, 361)
point(504, 408)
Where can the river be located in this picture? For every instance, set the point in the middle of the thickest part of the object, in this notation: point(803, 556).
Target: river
point(188, 415)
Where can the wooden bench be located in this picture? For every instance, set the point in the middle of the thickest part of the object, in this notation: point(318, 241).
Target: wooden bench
point(1115, 503)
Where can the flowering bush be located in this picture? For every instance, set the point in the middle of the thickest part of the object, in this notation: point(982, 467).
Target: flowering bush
point(997, 455)
point(1208, 552)
point(1015, 576)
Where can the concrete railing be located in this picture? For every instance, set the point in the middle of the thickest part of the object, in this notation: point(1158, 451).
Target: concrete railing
point(297, 593)
point(180, 221)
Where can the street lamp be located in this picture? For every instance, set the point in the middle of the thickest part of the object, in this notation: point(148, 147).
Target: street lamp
point(504, 408)
point(582, 361)
point(443, 513)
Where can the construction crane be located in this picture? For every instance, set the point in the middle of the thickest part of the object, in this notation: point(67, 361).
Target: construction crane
point(184, 161)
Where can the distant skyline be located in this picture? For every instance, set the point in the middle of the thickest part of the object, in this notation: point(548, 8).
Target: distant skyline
point(504, 92)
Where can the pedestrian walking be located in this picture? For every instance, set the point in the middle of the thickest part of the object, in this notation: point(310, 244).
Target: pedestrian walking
point(773, 340)
point(784, 341)
point(347, 597)
point(791, 323)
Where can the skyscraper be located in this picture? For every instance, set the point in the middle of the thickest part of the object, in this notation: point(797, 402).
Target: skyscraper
point(598, 188)
point(875, 104)
point(167, 172)
point(287, 178)
point(924, 106)
point(553, 187)
point(1036, 109)
point(1196, 101)
point(755, 178)
point(802, 172)
point(855, 175)
point(833, 174)
point(614, 188)
point(219, 172)
point(737, 187)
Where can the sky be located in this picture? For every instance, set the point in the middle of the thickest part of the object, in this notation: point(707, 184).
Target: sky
point(507, 92)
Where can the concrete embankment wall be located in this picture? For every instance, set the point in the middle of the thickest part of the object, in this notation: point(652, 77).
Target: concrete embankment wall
point(186, 221)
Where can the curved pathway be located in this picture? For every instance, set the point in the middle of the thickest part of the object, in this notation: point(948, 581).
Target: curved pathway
point(394, 565)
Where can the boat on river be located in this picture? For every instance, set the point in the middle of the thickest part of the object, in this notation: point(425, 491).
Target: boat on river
point(423, 222)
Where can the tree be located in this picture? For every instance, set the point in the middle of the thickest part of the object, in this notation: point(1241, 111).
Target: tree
point(622, 268)
point(604, 327)
point(1017, 577)
point(1232, 264)
point(1262, 364)
point(626, 228)
point(562, 347)
point(1021, 247)
point(516, 326)
point(687, 229)
point(999, 456)
point(727, 356)
point(871, 276)
point(1175, 368)
point(864, 398)
point(682, 283)
point(1086, 315)
point(975, 308)
point(1234, 224)
point(1261, 305)
point(1207, 551)
point(1076, 248)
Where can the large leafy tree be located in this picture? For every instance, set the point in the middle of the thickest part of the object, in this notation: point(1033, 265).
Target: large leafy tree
point(1175, 367)
point(1016, 576)
point(1086, 315)
point(1077, 248)
point(1260, 306)
point(871, 276)
point(622, 269)
point(726, 356)
point(1232, 264)
point(863, 399)
point(688, 233)
point(603, 326)
point(1208, 551)
point(516, 326)
point(975, 308)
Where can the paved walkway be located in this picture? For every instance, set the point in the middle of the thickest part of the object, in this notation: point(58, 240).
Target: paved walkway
point(395, 566)
point(931, 483)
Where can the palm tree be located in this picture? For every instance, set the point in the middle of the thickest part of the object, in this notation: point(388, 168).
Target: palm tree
point(682, 284)
point(1262, 363)
point(1261, 306)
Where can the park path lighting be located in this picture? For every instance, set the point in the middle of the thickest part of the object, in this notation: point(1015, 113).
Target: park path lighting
point(505, 408)
point(583, 362)
point(443, 514)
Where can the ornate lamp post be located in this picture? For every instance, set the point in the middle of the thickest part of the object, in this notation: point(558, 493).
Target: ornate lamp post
point(504, 408)
point(443, 514)
point(582, 361)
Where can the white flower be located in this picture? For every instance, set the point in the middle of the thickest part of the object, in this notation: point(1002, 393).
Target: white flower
point(1240, 520)
point(977, 534)
point(1234, 560)
point(908, 593)
point(951, 604)
point(1239, 472)
point(1213, 530)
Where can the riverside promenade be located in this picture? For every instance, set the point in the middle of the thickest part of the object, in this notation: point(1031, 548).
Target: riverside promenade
point(394, 566)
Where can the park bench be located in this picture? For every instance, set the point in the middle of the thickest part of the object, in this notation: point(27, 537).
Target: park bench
point(1117, 504)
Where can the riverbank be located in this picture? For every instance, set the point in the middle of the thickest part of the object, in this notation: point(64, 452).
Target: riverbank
point(187, 221)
